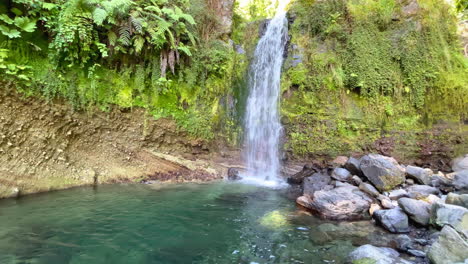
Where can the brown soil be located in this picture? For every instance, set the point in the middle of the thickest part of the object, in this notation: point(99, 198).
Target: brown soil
point(48, 146)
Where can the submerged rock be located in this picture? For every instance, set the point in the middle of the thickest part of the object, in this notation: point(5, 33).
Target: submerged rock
point(419, 211)
point(450, 247)
point(419, 174)
point(394, 220)
point(457, 199)
point(343, 203)
point(316, 182)
point(306, 171)
point(375, 255)
point(384, 172)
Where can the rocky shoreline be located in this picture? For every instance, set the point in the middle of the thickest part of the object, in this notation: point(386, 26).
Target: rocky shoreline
point(428, 210)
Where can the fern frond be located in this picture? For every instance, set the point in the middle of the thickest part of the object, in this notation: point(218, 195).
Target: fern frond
point(137, 24)
point(125, 36)
point(138, 43)
point(112, 37)
point(99, 15)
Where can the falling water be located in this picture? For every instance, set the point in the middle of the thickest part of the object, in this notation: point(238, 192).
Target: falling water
point(263, 128)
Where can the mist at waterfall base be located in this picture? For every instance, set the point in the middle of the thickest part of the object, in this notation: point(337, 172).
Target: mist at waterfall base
point(262, 125)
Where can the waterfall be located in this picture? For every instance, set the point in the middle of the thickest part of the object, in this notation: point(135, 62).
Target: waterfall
point(262, 124)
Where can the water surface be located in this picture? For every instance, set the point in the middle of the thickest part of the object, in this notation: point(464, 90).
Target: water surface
point(186, 223)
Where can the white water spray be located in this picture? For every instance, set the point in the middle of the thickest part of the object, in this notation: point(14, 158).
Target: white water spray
point(262, 125)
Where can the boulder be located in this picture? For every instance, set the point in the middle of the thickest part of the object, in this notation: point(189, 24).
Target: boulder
point(450, 247)
point(306, 171)
point(316, 182)
point(460, 163)
point(233, 174)
point(369, 189)
point(421, 191)
point(417, 210)
point(460, 180)
point(385, 202)
point(340, 161)
point(304, 201)
point(341, 174)
point(375, 255)
point(374, 208)
point(356, 180)
point(457, 199)
point(394, 220)
point(421, 175)
point(384, 172)
point(442, 182)
point(353, 166)
point(342, 184)
point(448, 214)
point(343, 203)
point(397, 194)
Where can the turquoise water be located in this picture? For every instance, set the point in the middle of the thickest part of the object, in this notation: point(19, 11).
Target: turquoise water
point(187, 223)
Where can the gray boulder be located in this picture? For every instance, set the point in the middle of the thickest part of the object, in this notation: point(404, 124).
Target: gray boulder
point(343, 203)
point(419, 174)
point(369, 189)
point(375, 255)
point(394, 220)
point(419, 211)
point(460, 180)
point(353, 166)
point(451, 247)
point(341, 174)
point(233, 174)
point(384, 172)
point(460, 163)
point(457, 199)
point(306, 171)
point(448, 214)
point(397, 194)
point(385, 202)
point(316, 182)
point(421, 191)
point(356, 180)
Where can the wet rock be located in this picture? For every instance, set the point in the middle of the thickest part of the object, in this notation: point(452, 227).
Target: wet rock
point(353, 166)
point(341, 174)
point(450, 247)
point(385, 202)
point(404, 242)
point(384, 172)
point(373, 208)
point(421, 191)
point(397, 194)
point(460, 163)
point(417, 210)
point(233, 174)
point(304, 201)
point(375, 255)
point(340, 161)
point(453, 215)
point(306, 171)
point(421, 175)
point(417, 253)
point(343, 203)
point(369, 189)
point(316, 182)
point(394, 220)
point(457, 199)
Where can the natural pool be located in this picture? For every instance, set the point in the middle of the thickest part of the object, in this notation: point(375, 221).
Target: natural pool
point(186, 223)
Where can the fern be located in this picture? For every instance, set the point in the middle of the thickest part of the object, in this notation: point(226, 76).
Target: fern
point(125, 36)
point(137, 24)
point(138, 43)
point(99, 15)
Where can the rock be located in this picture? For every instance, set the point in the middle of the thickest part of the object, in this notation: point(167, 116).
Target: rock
point(341, 174)
point(304, 201)
point(384, 172)
point(385, 202)
point(233, 174)
point(340, 161)
point(356, 180)
point(460, 163)
point(457, 199)
point(450, 247)
point(353, 166)
point(375, 255)
point(373, 208)
point(224, 12)
point(397, 194)
point(417, 253)
point(369, 189)
point(431, 199)
point(441, 181)
point(417, 210)
point(404, 242)
point(306, 171)
point(411, 9)
point(460, 180)
point(343, 203)
point(316, 182)
point(409, 181)
point(448, 214)
point(421, 175)
point(394, 220)
point(342, 184)
point(421, 191)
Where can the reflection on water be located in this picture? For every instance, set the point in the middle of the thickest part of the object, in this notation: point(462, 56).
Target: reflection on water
point(189, 223)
